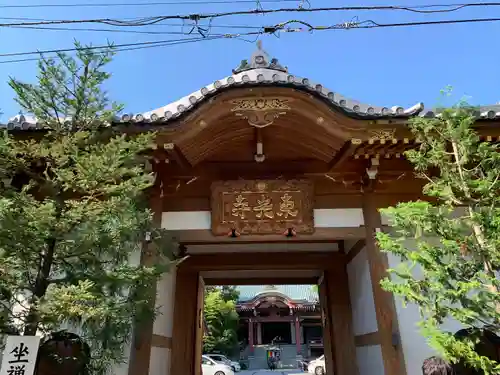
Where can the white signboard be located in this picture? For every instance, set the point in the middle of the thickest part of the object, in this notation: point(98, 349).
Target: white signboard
point(19, 356)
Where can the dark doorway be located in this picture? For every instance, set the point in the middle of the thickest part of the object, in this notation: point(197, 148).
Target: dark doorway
point(276, 331)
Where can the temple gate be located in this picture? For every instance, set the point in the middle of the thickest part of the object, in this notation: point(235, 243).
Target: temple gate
point(270, 178)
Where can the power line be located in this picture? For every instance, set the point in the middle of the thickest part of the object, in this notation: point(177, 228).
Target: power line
point(102, 5)
point(64, 50)
point(160, 44)
point(273, 30)
point(127, 31)
point(147, 21)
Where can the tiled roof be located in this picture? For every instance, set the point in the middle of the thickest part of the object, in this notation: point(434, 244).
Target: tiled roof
point(294, 292)
point(262, 70)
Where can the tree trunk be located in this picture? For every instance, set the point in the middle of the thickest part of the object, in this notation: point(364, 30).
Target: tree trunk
point(478, 230)
point(41, 285)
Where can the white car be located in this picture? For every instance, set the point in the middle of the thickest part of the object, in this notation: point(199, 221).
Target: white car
point(211, 367)
point(222, 358)
point(317, 366)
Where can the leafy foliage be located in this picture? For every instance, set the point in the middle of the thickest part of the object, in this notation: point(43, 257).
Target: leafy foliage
point(73, 214)
point(221, 319)
point(450, 245)
point(228, 292)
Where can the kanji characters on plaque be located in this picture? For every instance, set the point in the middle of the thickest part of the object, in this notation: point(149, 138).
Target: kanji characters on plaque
point(264, 207)
point(19, 356)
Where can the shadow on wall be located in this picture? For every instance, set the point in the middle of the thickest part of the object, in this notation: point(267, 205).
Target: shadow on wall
point(63, 353)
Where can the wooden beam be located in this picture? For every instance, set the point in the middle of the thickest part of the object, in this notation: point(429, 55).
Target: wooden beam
point(346, 152)
point(355, 250)
point(175, 153)
point(159, 341)
point(262, 281)
point(234, 170)
point(367, 339)
point(269, 261)
point(320, 235)
point(387, 320)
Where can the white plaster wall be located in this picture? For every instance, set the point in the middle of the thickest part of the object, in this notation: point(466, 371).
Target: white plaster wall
point(360, 290)
point(338, 217)
point(159, 363)
point(165, 294)
point(415, 346)
point(186, 220)
point(323, 218)
point(370, 360)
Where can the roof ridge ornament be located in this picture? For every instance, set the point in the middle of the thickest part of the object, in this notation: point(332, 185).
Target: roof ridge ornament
point(260, 59)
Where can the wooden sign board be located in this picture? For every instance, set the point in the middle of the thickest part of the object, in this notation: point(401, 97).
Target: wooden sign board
point(262, 207)
point(19, 355)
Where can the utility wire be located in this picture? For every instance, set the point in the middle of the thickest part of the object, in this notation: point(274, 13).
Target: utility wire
point(161, 44)
point(146, 21)
point(125, 31)
point(272, 30)
point(156, 3)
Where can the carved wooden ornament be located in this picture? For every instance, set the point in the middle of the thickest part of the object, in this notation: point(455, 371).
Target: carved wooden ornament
point(262, 207)
point(260, 112)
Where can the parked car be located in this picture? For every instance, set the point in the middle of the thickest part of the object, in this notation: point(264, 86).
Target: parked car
point(317, 366)
point(211, 367)
point(222, 358)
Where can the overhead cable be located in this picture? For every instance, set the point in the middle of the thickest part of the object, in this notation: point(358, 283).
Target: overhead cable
point(273, 30)
point(146, 21)
point(160, 44)
point(145, 4)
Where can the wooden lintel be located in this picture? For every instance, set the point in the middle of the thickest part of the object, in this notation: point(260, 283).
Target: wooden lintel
point(355, 250)
point(290, 169)
point(321, 235)
point(269, 261)
point(367, 339)
point(262, 281)
point(159, 341)
point(234, 170)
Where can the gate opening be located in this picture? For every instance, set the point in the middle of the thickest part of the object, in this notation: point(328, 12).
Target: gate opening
point(258, 327)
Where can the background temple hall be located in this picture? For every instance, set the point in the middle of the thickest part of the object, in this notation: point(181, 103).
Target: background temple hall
point(286, 318)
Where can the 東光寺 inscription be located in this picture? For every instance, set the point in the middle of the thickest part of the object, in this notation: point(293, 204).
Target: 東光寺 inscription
point(262, 207)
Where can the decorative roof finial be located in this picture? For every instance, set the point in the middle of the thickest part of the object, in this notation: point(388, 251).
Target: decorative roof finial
point(260, 60)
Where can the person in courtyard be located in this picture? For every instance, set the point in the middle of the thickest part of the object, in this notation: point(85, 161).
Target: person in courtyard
point(436, 366)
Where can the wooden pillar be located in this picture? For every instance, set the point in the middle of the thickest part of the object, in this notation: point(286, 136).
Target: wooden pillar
point(327, 327)
point(250, 335)
point(387, 322)
point(339, 303)
point(198, 352)
point(186, 322)
point(140, 353)
point(297, 336)
point(259, 333)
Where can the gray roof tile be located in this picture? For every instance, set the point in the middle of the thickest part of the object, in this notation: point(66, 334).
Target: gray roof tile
point(263, 70)
point(294, 292)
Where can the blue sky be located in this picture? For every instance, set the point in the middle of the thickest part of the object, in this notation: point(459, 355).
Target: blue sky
point(386, 67)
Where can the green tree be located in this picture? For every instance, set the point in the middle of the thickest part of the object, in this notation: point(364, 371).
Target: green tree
point(450, 245)
point(221, 319)
point(228, 292)
point(73, 213)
